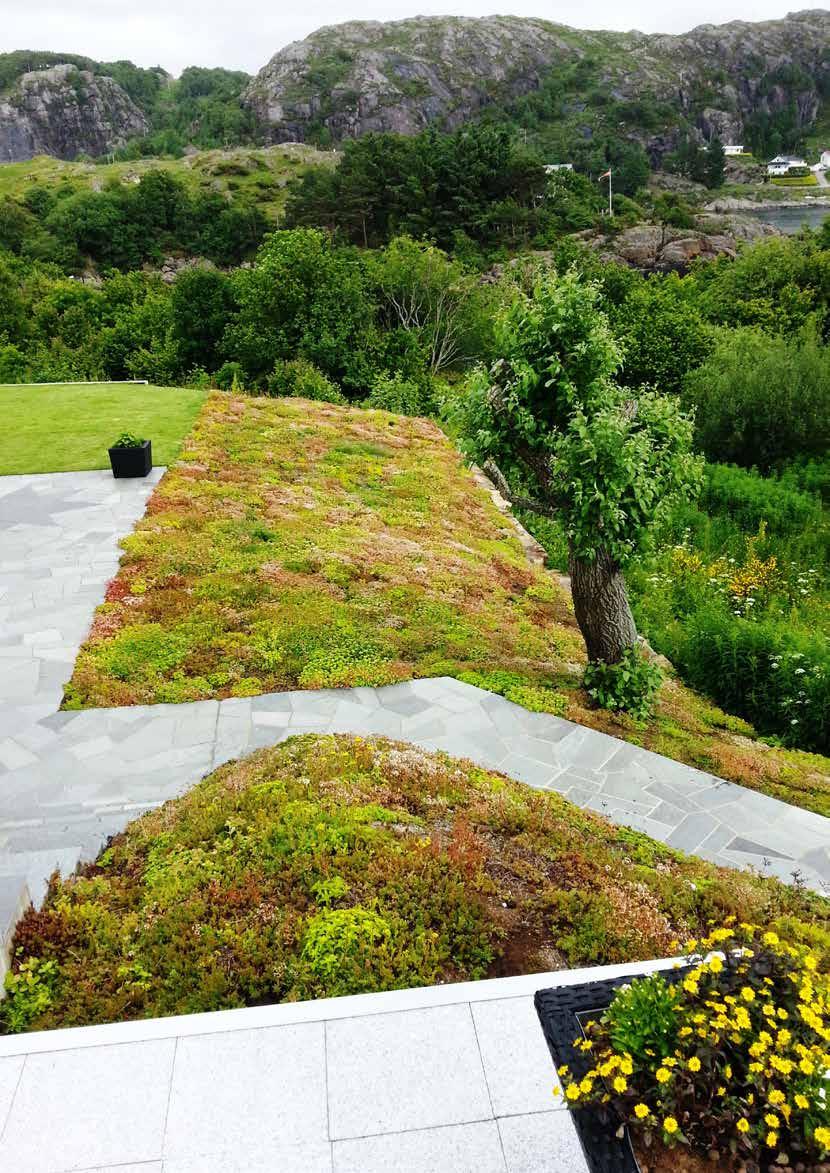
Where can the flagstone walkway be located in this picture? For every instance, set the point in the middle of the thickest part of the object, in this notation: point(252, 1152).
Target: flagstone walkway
point(70, 779)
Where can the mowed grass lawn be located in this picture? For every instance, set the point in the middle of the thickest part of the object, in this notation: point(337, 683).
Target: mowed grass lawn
point(303, 545)
point(68, 429)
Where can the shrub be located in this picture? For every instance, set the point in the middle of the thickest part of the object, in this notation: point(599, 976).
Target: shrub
point(749, 499)
point(516, 688)
point(761, 400)
point(631, 684)
point(394, 393)
point(732, 1061)
point(230, 376)
point(777, 678)
point(302, 378)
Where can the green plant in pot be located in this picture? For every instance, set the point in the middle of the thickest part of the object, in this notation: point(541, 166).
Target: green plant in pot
point(130, 456)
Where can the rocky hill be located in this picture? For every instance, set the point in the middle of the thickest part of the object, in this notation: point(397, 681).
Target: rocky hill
point(348, 79)
point(65, 111)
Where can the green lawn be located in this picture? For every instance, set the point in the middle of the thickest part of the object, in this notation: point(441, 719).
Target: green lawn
point(65, 429)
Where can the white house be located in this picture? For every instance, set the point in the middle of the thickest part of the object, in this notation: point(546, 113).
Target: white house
point(782, 164)
point(551, 167)
point(733, 149)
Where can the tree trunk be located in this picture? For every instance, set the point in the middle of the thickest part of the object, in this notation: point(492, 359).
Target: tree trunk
point(601, 607)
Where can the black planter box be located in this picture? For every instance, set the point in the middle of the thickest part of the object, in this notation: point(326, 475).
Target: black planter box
point(132, 462)
point(563, 1012)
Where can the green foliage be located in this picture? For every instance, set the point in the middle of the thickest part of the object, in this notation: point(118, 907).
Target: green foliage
point(662, 332)
point(394, 393)
point(515, 688)
point(551, 416)
point(300, 377)
point(476, 181)
point(632, 684)
point(127, 440)
point(749, 500)
point(643, 1020)
point(30, 990)
point(230, 375)
point(760, 400)
point(345, 949)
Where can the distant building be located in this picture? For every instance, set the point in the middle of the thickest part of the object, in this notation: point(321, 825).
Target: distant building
point(551, 167)
point(783, 164)
point(733, 149)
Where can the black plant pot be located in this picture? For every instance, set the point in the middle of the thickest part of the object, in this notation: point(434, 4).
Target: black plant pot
point(563, 1013)
point(133, 461)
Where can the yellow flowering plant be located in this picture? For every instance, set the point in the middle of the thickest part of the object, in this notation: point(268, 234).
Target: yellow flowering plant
point(730, 1055)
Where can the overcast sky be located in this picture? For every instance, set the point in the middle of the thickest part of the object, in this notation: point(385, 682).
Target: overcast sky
point(244, 34)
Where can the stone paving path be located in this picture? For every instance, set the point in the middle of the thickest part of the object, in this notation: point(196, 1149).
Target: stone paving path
point(70, 779)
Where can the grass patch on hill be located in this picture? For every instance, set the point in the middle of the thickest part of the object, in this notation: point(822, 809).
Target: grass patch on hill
point(260, 174)
point(303, 545)
point(69, 428)
point(335, 865)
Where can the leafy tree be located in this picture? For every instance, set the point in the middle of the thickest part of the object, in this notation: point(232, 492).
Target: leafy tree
point(662, 333)
point(572, 443)
point(202, 304)
point(305, 298)
point(433, 297)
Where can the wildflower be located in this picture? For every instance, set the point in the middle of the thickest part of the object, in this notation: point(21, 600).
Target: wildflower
point(822, 1137)
point(572, 1092)
point(776, 1097)
point(662, 1075)
point(641, 1111)
point(802, 1102)
point(620, 1083)
point(742, 1125)
point(771, 1120)
point(772, 1139)
point(670, 1125)
point(694, 1063)
point(748, 994)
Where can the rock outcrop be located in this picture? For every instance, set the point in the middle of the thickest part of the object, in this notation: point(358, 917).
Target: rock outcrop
point(405, 75)
point(66, 111)
point(654, 249)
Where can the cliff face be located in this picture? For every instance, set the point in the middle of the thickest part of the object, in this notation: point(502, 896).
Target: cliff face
point(405, 75)
point(65, 111)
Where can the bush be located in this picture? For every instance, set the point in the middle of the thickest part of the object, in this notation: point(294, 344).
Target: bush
point(762, 400)
point(732, 1061)
point(749, 499)
point(777, 678)
point(302, 378)
point(631, 684)
point(394, 393)
point(230, 376)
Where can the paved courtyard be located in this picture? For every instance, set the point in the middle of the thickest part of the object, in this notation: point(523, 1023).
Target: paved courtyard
point(446, 1079)
point(68, 780)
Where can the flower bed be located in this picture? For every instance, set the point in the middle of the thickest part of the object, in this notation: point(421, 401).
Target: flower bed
point(729, 1059)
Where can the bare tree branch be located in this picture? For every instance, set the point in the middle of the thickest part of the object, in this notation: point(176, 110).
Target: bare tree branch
point(528, 503)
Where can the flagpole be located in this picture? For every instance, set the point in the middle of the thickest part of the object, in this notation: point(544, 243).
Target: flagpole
point(610, 203)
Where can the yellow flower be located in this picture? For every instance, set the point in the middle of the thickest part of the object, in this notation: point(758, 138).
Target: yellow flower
point(572, 1092)
point(694, 1063)
point(662, 1075)
point(771, 1120)
point(772, 1139)
point(807, 1066)
point(670, 1125)
point(585, 1087)
point(716, 965)
point(742, 1126)
point(802, 1102)
point(641, 1111)
point(776, 1097)
point(822, 1137)
point(748, 994)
